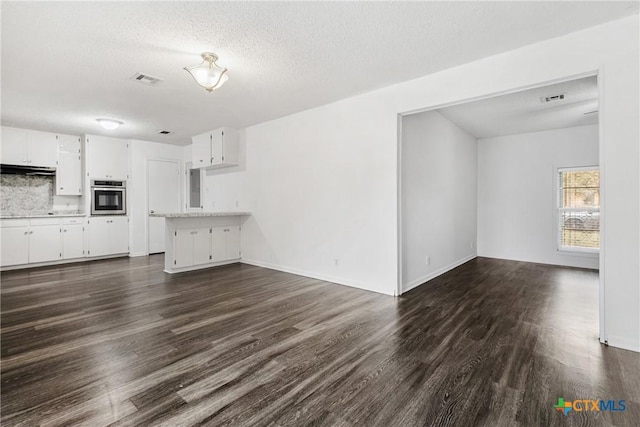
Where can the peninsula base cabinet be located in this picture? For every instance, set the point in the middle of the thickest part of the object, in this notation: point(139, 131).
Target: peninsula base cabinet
point(108, 235)
point(41, 240)
point(200, 242)
point(192, 247)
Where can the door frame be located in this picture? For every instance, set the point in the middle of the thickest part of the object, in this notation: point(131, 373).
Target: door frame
point(598, 73)
point(146, 201)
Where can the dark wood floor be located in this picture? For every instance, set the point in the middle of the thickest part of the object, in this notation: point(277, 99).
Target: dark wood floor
point(120, 342)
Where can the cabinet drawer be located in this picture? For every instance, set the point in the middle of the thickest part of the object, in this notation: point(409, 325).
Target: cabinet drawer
point(69, 221)
point(44, 221)
point(6, 223)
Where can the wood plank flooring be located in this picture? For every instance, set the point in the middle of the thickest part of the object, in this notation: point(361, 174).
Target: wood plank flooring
point(119, 342)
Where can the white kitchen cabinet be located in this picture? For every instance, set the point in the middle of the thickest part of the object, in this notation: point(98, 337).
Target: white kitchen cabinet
point(42, 148)
point(69, 144)
point(28, 147)
point(69, 170)
point(108, 235)
point(69, 175)
point(192, 247)
point(73, 239)
point(107, 158)
point(38, 240)
point(225, 243)
point(201, 150)
point(15, 245)
point(119, 235)
point(14, 146)
point(44, 243)
point(216, 148)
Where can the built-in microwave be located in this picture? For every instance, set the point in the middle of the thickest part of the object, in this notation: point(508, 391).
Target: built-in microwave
point(108, 197)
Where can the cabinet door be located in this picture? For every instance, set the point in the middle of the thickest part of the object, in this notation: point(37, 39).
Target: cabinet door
point(69, 175)
point(230, 146)
point(107, 158)
point(14, 146)
point(119, 235)
point(183, 248)
point(233, 242)
point(98, 229)
point(44, 243)
point(218, 244)
point(216, 147)
point(43, 148)
point(201, 150)
point(68, 144)
point(119, 159)
point(201, 246)
point(15, 245)
point(72, 241)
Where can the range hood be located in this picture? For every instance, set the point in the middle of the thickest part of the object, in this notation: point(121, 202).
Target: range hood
point(27, 170)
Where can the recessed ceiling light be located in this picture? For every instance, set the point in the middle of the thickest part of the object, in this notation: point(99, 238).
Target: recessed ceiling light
point(109, 123)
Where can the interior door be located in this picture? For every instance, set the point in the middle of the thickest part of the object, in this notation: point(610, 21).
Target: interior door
point(163, 183)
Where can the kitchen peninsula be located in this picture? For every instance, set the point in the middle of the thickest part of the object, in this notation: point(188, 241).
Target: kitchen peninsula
point(201, 239)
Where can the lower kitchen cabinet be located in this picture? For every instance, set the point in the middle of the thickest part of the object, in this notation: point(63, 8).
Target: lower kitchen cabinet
point(225, 243)
point(44, 243)
point(108, 235)
point(41, 240)
point(195, 241)
point(15, 245)
point(72, 241)
point(192, 247)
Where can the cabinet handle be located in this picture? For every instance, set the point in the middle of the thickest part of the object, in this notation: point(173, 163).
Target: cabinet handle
point(62, 188)
point(26, 232)
point(64, 231)
point(31, 232)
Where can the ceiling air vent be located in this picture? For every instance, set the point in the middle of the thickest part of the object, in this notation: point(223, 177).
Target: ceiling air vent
point(147, 79)
point(164, 132)
point(552, 98)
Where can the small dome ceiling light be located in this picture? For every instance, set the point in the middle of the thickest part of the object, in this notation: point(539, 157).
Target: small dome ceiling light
point(109, 124)
point(208, 74)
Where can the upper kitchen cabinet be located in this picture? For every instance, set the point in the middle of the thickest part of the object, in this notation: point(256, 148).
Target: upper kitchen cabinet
point(215, 149)
point(107, 158)
point(69, 170)
point(28, 147)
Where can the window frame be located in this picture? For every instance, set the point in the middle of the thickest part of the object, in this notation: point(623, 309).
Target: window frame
point(569, 250)
point(187, 188)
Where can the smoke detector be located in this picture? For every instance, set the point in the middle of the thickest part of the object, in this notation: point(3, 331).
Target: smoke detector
point(147, 79)
point(552, 98)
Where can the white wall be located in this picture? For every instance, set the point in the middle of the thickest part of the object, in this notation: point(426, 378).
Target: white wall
point(139, 152)
point(438, 170)
point(517, 193)
point(325, 180)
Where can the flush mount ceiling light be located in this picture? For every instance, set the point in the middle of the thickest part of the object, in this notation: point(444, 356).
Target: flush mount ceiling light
point(109, 123)
point(208, 74)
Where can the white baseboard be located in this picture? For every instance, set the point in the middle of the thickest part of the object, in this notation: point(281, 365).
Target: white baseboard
point(624, 343)
point(58, 262)
point(313, 275)
point(419, 281)
point(137, 254)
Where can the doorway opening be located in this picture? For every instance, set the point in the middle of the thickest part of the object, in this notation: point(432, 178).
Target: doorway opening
point(511, 176)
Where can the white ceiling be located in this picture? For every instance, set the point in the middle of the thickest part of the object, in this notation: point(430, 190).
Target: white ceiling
point(522, 112)
point(64, 64)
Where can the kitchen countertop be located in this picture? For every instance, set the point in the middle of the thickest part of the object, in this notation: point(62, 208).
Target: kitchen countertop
point(198, 214)
point(22, 215)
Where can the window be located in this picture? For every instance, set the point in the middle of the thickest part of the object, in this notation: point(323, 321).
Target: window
point(579, 209)
point(194, 188)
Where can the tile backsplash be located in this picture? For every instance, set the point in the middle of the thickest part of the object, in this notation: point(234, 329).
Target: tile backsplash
point(24, 193)
point(33, 195)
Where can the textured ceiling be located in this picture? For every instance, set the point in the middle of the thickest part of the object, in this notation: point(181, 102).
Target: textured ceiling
point(66, 64)
point(523, 112)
